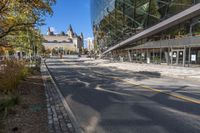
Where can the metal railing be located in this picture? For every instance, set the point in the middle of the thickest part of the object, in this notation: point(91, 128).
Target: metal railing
point(179, 42)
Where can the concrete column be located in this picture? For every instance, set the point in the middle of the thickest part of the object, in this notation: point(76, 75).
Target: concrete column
point(140, 55)
point(171, 56)
point(148, 57)
point(136, 55)
point(160, 55)
point(168, 56)
point(177, 57)
point(129, 56)
point(184, 55)
point(153, 55)
point(189, 57)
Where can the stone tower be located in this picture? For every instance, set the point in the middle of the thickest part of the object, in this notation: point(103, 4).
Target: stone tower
point(70, 32)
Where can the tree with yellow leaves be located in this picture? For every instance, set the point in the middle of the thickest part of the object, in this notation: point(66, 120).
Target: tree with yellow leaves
point(18, 15)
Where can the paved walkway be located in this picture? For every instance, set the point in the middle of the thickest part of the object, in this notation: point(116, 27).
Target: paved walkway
point(164, 70)
point(58, 118)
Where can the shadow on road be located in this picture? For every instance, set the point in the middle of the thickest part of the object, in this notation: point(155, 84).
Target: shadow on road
point(81, 84)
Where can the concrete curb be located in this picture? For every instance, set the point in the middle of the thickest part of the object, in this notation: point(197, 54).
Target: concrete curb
point(181, 77)
point(176, 76)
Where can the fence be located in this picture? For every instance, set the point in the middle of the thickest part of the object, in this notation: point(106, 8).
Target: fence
point(179, 42)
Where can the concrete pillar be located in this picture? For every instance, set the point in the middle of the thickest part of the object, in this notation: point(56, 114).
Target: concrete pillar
point(171, 56)
point(148, 57)
point(189, 57)
point(153, 55)
point(184, 51)
point(177, 57)
point(129, 56)
point(136, 55)
point(160, 55)
point(121, 59)
point(168, 56)
point(141, 55)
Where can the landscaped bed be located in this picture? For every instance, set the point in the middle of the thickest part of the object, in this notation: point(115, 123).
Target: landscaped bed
point(27, 112)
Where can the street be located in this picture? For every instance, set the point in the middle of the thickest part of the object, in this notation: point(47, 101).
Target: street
point(103, 103)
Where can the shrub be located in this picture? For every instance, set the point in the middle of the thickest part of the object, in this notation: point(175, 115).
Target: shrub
point(11, 75)
point(8, 103)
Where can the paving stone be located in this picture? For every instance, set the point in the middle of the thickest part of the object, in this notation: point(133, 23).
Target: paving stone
point(58, 118)
point(165, 70)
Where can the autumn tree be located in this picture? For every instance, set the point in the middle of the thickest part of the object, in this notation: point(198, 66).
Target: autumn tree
point(29, 40)
point(18, 15)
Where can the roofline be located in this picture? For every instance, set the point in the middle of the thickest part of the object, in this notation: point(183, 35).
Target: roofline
point(172, 21)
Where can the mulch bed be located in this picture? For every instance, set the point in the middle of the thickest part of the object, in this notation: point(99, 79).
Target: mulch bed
point(30, 116)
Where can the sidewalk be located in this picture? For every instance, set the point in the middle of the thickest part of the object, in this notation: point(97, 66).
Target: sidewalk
point(58, 117)
point(164, 70)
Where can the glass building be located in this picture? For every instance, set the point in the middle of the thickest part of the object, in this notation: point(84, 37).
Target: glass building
point(148, 30)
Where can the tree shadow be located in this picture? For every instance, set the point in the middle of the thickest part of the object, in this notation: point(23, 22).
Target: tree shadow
point(164, 119)
point(81, 84)
point(176, 104)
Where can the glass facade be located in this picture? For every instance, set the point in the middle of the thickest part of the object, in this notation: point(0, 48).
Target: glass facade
point(116, 20)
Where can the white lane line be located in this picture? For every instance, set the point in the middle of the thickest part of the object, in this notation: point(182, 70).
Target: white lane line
point(110, 91)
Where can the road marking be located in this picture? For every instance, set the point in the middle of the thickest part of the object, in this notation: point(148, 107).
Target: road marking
point(113, 92)
point(178, 96)
point(85, 83)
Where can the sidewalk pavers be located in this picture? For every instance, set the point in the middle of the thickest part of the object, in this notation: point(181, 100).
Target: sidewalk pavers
point(58, 118)
point(164, 70)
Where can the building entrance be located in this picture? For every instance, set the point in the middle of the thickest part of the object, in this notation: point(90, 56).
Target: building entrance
point(178, 57)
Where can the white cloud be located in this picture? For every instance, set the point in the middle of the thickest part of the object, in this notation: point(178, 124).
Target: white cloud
point(89, 38)
point(53, 29)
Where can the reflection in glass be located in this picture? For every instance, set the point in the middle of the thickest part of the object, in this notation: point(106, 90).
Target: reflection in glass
point(115, 20)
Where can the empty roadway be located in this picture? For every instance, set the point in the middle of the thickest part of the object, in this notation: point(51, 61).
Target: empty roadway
point(102, 104)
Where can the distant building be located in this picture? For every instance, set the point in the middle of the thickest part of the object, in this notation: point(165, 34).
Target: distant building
point(65, 43)
point(90, 44)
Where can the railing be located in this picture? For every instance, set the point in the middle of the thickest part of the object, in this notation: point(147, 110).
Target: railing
point(179, 42)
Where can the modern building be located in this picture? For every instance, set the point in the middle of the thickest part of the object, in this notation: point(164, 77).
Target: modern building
point(90, 44)
point(150, 31)
point(65, 43)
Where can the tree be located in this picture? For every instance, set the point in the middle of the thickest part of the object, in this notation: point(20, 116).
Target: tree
point(154, 15)
point(17, 15)
point(29, 40)
point(47, 52)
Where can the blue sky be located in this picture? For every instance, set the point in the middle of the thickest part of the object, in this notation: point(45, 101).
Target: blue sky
point(74, 12)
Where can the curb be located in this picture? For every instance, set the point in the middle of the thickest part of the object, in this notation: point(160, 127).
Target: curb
point(184, 77)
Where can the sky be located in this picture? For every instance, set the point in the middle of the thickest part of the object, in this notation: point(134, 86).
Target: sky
point(74, 12)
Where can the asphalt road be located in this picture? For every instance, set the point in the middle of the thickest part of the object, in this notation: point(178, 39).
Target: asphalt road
point(106, 105)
